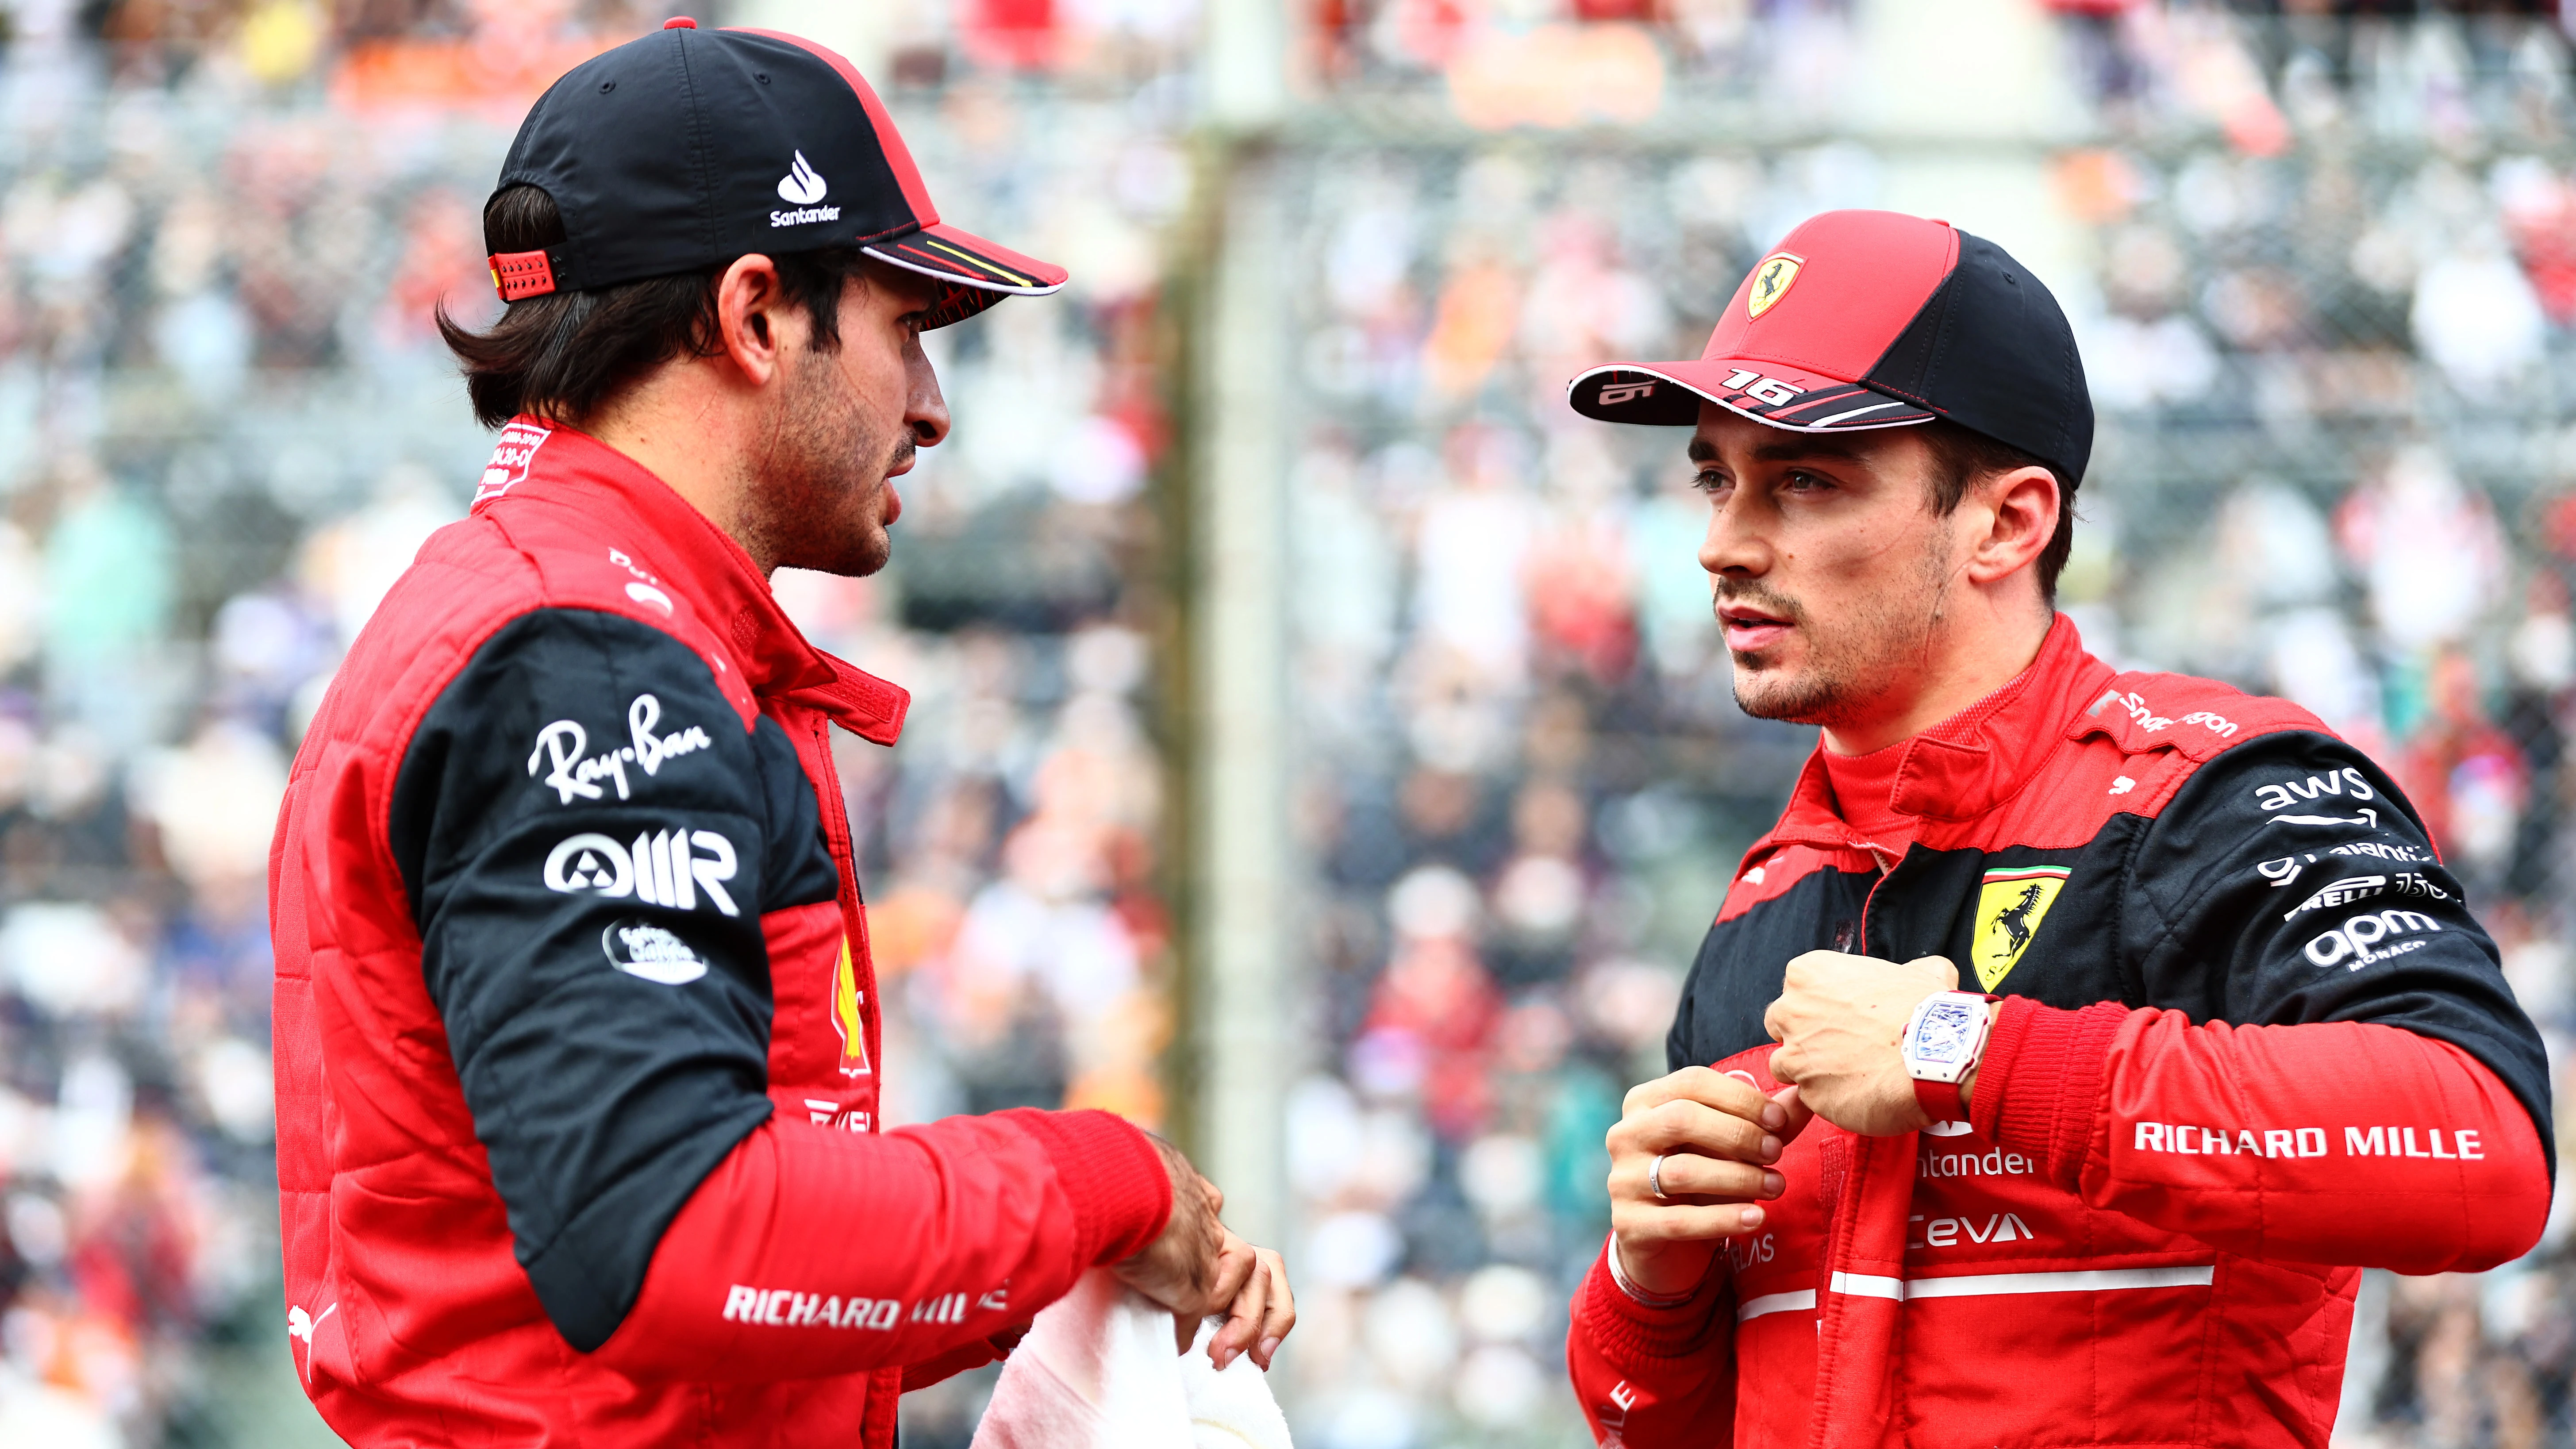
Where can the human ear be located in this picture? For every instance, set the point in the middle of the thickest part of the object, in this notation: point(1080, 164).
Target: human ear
point(748, 313)
point(2023, 508)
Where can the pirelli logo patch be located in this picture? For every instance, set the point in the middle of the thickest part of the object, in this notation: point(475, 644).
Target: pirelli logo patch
point(2010, 902)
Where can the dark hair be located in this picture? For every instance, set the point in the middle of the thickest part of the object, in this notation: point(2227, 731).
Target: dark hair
point(564, 355)
point(1962, 455)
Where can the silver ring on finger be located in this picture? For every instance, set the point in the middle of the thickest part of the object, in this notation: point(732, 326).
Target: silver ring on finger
point(1655, 1178)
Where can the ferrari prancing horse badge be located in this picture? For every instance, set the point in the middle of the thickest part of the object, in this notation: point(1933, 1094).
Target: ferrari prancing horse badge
point(2009, 906)
point(1771, 282)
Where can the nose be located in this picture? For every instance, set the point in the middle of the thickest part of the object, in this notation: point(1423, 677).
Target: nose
point(1733, 546)
point(925, 409)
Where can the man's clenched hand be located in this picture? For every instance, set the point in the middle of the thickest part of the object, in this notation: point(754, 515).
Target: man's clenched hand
point(1839, 1021)
point(1718, 1138)
point(1198, 1267)
point(1188, 1268)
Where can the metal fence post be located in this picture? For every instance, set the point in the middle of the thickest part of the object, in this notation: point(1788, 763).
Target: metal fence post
point(1240, 949)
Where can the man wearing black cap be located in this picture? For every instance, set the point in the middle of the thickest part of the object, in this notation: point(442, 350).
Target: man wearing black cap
point(2231, 1035)
point(576, 1029)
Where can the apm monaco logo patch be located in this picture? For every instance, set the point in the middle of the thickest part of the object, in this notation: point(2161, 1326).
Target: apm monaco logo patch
point(2356, 943)
point(803, 186)
point(2010, 903)
point(512, 454)
point(1772, 281)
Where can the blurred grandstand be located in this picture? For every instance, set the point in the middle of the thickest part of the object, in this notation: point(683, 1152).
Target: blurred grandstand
point(2322, 259)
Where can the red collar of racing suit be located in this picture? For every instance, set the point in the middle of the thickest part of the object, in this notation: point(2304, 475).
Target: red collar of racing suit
point(1971, 762)
point(720, 578)
point(1957, 770)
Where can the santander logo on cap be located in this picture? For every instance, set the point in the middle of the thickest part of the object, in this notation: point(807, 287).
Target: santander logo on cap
point(802, 184)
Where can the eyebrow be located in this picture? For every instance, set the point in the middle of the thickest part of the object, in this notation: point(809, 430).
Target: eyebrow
point(1701, 451)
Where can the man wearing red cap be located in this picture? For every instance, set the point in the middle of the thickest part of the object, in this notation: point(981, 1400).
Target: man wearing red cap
point(2057, 1061)
point(579, 1134)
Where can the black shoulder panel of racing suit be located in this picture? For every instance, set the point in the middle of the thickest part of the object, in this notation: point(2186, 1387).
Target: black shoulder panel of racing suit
point(2289, 881)
point(589, 837)
point(1742, 962)
point(2286, 881)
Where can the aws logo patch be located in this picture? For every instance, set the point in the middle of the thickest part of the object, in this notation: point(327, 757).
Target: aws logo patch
point(2010, 903)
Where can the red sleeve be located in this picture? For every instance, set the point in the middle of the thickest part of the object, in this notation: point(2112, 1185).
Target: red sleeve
point(2347, 1143)
point(810, 1252)
point(950, 1364)
point(957, 1361)
point(1649, 1377)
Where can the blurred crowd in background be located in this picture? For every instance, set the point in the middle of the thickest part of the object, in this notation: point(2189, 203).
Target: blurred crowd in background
point(2322, 261)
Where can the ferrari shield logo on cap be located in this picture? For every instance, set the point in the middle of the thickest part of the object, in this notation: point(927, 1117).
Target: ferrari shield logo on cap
point(2009, 906)
point(1771, 282)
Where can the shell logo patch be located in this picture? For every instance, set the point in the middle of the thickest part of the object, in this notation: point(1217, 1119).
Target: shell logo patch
point(2010, 903)
point(1771, 282)
point(846, 1017)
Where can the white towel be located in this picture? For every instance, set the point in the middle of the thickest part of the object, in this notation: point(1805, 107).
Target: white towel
point(1097, 1371)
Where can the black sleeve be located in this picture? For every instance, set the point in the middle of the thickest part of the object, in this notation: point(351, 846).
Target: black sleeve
point(2288, 881)
point(1677, 1044)
point(590, 836)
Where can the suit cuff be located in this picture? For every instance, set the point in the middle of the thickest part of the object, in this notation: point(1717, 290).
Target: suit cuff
point(1628, 1285)
point(2040, 1085)
point(1122, 1196)
point(1626, 1330)
point(950, 1364)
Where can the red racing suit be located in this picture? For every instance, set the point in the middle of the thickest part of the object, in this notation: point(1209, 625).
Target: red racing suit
point(2251, 1042)
point(576, 1031)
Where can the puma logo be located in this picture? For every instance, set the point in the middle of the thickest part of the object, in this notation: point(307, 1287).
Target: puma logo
point(300, 1324)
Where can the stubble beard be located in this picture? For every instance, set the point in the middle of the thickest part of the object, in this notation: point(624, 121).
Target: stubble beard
point(810, 496)
point(1854, 660)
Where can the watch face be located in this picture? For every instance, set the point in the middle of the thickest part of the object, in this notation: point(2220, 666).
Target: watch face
point(1943, 1037)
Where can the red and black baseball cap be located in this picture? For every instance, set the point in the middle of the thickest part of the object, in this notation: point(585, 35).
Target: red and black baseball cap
point(689, 148)
point(1875, 319)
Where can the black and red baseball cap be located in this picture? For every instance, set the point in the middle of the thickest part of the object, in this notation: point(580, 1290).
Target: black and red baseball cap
point(1875, 319)
point(689, 148)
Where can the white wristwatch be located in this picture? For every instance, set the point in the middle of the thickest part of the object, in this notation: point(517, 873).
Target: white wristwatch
point(1946, 1036)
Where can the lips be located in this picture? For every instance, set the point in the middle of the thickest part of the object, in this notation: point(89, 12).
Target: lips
point(902, 464)
point(1750, 630)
